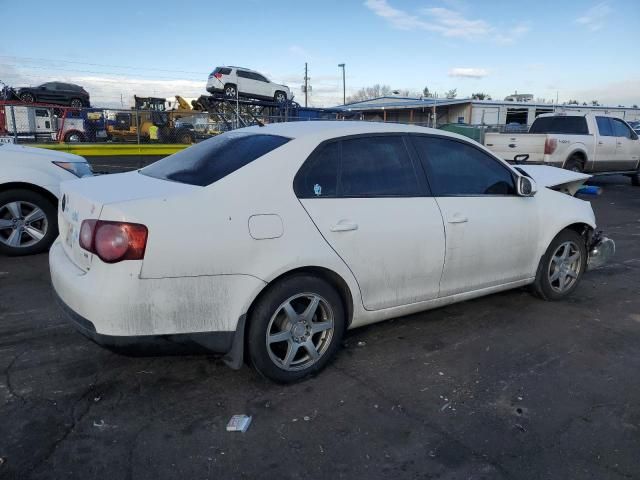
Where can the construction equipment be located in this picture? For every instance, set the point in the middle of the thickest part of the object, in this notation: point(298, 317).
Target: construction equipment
point(151, 112)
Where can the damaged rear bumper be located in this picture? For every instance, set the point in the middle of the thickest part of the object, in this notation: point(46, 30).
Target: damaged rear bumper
point(601, 249)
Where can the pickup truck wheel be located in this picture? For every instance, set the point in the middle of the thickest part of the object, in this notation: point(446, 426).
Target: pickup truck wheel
point(635, 178)
point(76, 103)
point(575, 164)
point(74, 137)
point(28, 222)
point(561, 267)
point(280, 97)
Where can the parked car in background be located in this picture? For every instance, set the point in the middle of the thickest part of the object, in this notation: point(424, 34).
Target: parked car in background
point(343, 224)
point(588, 142)
point(57, 93)
point(237, 81)
point(29, 190)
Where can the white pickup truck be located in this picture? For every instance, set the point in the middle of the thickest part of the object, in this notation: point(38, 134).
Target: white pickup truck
point(587, 142)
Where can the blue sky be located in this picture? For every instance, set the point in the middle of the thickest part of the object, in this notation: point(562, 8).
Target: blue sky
point(575, 49)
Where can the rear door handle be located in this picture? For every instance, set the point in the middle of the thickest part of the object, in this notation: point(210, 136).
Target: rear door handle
point(343, 227)
point(458, 219)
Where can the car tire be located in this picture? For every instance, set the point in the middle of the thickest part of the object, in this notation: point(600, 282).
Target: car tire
point(27, 98)
point(575, 164)
point(284, 333)
point(561, 267)
point(635, 178)
point(280, 97)
point(230, 90)
point(37, 235)
point(76, 103)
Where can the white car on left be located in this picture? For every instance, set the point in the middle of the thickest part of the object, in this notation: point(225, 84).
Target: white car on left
point(29, 191)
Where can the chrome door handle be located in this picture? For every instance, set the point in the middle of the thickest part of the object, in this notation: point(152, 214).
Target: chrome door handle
point(343, 227)
point(458, 219)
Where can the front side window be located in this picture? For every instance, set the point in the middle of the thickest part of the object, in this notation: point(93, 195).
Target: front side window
point(620, 129)
point(377, 166)
point(213, 159)
point(604, 127)
point(455, 168)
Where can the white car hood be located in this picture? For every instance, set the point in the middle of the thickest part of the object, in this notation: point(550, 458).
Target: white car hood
point(557, 178)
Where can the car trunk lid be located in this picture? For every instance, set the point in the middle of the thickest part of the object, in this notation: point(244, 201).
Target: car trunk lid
point(85, 198)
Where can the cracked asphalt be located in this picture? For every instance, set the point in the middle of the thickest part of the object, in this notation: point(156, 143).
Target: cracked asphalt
point(503, 387)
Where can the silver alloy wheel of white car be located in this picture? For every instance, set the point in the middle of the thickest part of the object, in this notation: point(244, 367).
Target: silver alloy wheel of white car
point(22, 224)
point(230, 91)
point(565, 266)
point(300, 331)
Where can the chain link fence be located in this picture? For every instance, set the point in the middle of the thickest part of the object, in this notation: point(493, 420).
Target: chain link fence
point(151, 123)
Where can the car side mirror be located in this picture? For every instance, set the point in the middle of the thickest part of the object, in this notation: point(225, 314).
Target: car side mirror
point(526, 186)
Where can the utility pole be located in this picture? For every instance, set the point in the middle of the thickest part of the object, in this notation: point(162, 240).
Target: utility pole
point(344, 88)
point(306, 84)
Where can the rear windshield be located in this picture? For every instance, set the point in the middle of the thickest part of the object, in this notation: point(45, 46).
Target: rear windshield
point(567, 125)
point(209, 161)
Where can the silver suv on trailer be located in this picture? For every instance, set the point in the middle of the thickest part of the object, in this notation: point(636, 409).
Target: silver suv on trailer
point(242, 82)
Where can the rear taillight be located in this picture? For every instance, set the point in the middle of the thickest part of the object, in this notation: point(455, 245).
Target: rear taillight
point(217, 75)
point(114, 241)
point(550, 146)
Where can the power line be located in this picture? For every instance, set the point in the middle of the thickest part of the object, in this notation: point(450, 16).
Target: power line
point(94, 72)
point(100, 64)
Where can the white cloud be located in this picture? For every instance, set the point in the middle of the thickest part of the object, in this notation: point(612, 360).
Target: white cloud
point(452, 24)
point(594, 18)
point(446, 22)
point(468, 72)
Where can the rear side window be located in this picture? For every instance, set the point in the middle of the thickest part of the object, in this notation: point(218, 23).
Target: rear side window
point(319, 175)
point(604, 127)
point(457, 169)
point(377, 166)
point(213, 159)
point(560, 124)
point(223, 71)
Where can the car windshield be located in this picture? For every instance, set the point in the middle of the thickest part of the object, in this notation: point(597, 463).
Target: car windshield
point(213, 159)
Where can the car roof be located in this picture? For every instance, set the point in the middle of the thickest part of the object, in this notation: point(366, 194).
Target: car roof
point(241, 68)
point(337, 128)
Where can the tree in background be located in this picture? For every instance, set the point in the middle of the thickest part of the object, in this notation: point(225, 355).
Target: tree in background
point(595, 103)
point(367, 93)
point(426, 93)
point(573, 102)
point(453, 93)
point(480, 96)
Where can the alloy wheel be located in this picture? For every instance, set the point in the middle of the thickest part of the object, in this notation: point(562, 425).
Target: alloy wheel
point(565, 267)
point(22, 224)
point(300, 331)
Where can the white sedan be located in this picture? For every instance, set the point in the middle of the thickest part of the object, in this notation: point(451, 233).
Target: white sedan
point(277, 239)
point(29, 188)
